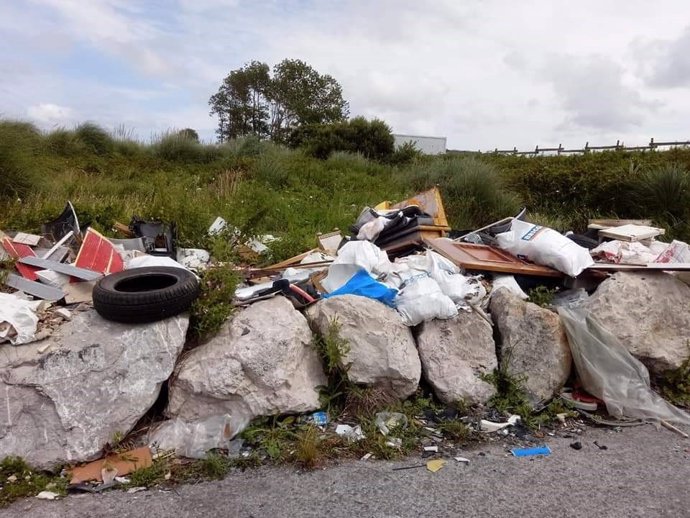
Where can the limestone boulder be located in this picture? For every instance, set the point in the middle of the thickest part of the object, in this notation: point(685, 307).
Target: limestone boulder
point(649, 312)
point(455, 353)
point(382, 351)
point(533, 343)
point(68, 395)
point(262, 362)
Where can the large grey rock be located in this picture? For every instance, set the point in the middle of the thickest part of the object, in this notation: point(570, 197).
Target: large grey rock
point(262, 362)
point(534, 344)
point(649, 313)
point(455, 353)
point(382, 349)
point(94, 378)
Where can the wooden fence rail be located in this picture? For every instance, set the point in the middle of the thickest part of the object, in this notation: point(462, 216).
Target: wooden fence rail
point(560, 150)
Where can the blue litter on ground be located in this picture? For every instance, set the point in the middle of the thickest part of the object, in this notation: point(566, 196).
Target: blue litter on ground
point(528, 452)
point(365, 285)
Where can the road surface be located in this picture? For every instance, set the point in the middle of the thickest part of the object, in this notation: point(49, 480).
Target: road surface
point(644, 472)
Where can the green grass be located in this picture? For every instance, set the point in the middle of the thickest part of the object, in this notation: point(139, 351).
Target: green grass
point(19, 480)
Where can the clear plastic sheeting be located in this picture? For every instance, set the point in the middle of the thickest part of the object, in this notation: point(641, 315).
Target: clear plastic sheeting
point(194, 439)
point(608, 371)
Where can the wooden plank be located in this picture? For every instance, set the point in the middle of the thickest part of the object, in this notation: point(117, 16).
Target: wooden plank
point(18, 251)
point(124, 463)
point(291, 261)
point(430, 202)
point(471, 256)
point(67, 269)
point(670, 267)
point(42, 291)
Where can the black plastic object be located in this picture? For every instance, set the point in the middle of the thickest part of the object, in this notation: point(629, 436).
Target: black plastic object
point(67, 221)
point(159, 238)
point(584, 241)
point(145, 294)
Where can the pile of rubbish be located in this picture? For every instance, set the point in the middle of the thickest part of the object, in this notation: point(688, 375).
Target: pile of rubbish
point(448, 297)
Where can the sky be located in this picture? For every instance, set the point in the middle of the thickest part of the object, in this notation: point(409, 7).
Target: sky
point(485, 74)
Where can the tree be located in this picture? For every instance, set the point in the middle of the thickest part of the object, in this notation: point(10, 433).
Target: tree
point(251, 102)
point(189, 134)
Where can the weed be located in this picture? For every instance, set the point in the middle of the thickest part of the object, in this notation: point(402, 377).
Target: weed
point(675, 385)
point(215, 466)
point(542, 296)
point(364, 402)
point(19, 480)
point(308, 452)
point(456, 430)
point(214, 305)
point(150, 476)
point(510, 396)
point(333, 347)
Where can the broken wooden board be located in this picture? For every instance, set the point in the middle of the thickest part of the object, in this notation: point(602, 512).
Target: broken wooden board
point(290, 262)
point(669, 267)
point(330, 241)
point(33, 288)
point(98, 254)
point(124, 463)
point(18, 251)
point(486, 258)
point(631, 233)
point(67, 269)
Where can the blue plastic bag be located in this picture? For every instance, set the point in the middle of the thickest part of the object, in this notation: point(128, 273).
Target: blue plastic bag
point(365, 285)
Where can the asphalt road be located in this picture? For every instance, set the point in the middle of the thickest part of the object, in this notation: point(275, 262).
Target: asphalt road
point(644, 472)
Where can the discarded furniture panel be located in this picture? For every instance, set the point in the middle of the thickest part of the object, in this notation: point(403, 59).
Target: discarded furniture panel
point(98, 254)
point(18, 251)
point(599, 224)
point(631, 233)
point(36, 289)
point(330, 241)
point(475, 257)
point(67, 269)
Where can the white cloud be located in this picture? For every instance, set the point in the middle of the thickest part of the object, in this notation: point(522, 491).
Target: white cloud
point(481, 73)
point(50, 114)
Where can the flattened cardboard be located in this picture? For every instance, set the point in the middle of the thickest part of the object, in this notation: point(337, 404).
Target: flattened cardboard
point(125, 463)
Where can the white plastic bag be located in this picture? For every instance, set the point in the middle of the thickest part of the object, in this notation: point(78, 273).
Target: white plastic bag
point(351, 258)
point(421, 299)
point(448, 276)
point(545, 246)
point(194, 439)
point(608, 371)
point(677, 252)
point(509, 283)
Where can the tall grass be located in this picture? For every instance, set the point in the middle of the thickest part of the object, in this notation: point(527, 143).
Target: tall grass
point(19, 146)
point(474, 192)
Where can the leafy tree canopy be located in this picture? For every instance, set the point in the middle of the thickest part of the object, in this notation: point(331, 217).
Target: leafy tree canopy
point(253, 101)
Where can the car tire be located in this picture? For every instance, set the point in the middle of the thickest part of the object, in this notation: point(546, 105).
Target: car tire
point(145, 294)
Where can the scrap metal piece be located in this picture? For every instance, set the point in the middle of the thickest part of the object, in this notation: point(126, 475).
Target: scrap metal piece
point(67, 269)
point(36, 289)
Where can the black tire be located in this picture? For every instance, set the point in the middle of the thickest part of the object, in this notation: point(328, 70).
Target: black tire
point(584, 241)
point(145, 294)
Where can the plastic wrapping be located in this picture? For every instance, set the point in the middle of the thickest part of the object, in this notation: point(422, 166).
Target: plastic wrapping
point(448, 276)
point(608, 371)
point(352, 257)
point(421, 299)
point(194, 439)
point(18, 320)
point(364, 285)
point(545, 246)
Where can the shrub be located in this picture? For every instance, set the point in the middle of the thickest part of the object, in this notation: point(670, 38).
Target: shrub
point(664, 194)
point(19, 144)
point(95, 139)
point(178, 147)
point(64, 142)
point(473, 191)
point(373, 139)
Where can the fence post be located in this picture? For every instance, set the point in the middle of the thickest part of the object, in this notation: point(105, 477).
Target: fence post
point(587, 147)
